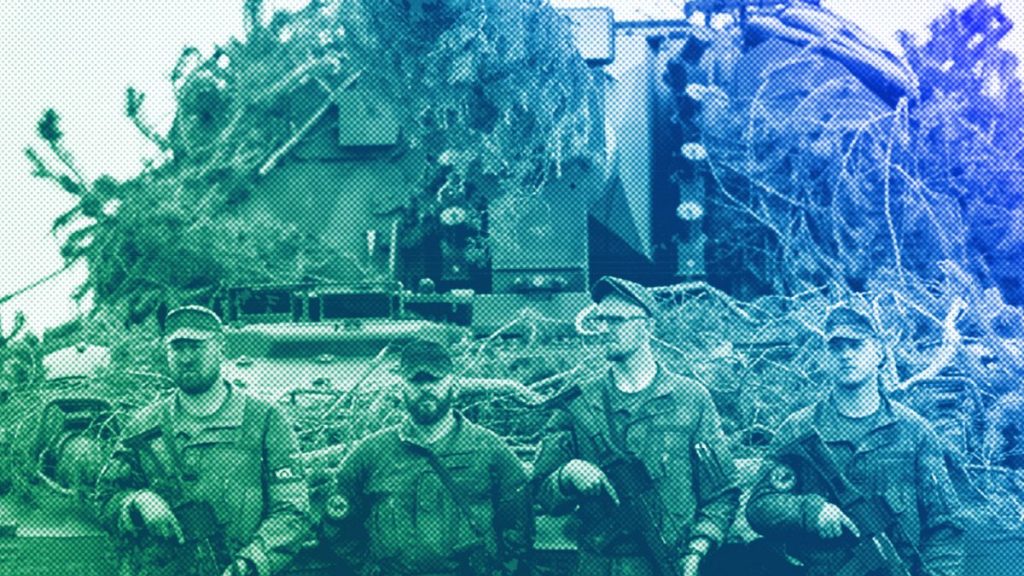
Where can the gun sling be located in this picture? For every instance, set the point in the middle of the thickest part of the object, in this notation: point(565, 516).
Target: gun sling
point(449, 484)
point(630, 477)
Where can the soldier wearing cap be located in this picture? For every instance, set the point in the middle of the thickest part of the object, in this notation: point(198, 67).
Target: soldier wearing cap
point(885, 451)
point(206, 480)
point(435, 494)
point(667, 422)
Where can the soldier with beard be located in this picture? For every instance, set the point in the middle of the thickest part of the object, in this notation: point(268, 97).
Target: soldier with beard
point(205, 480)
point(435, 494)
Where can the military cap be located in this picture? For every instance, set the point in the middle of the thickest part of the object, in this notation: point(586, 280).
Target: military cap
point(845, 322)
point(192, 323)
point(424, 357)
point(631, 291)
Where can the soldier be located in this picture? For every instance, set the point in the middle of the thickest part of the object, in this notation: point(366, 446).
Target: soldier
point(857, 484)
point(206, 480)
point(435, 494)
point(639, 455)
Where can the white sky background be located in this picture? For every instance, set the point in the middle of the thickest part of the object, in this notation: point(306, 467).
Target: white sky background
point(78, 57)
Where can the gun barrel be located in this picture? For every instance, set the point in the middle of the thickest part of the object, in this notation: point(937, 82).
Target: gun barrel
point(206, 559)
point(874, 555)
point(636, 488)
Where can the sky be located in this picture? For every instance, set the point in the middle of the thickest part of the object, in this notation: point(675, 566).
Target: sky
point(79, 57)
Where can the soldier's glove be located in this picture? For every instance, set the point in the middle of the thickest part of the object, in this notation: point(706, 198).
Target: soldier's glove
point(832, 520)
point(148, 511)
point(585, 478)
point(241, 567)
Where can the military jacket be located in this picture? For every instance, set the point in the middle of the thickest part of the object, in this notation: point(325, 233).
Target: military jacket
point(676, 433)
point(241, 463)
point(409, 521)
point(900, 459)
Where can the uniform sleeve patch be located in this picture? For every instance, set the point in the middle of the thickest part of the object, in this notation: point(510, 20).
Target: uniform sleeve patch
point(337, 507)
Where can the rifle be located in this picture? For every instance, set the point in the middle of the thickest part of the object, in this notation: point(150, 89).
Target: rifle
point(638, 503)
point(640, 510)
point(197, 519)
point(873, 552)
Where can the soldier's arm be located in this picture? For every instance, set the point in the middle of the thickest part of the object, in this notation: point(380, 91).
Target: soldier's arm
point(120, 479)
point(776, 506)
point(718, 495)
point(556, 449)
point(775, 511)
point(513, 513)
point(287, 523)
point(942, 530)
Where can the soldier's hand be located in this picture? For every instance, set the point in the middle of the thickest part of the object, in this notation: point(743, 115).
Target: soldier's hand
point(587, 479)
point(156, 515)
point(832, 520)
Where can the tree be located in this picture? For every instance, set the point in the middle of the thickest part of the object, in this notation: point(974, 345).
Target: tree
point(818, 182)
point(492, 93)
point(968, 129)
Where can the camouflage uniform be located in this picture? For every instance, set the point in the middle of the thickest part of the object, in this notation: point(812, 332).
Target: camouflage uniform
point(896, 456)
point(673, 428)
point(388, 494)
point(242, 461)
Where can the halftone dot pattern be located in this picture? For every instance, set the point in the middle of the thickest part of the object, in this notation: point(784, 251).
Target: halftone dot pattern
point(349, 176)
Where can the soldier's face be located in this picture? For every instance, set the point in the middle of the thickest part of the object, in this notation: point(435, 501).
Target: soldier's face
point(625, 325)
point(195, 364)
point(428, 399)
point(854, 362)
